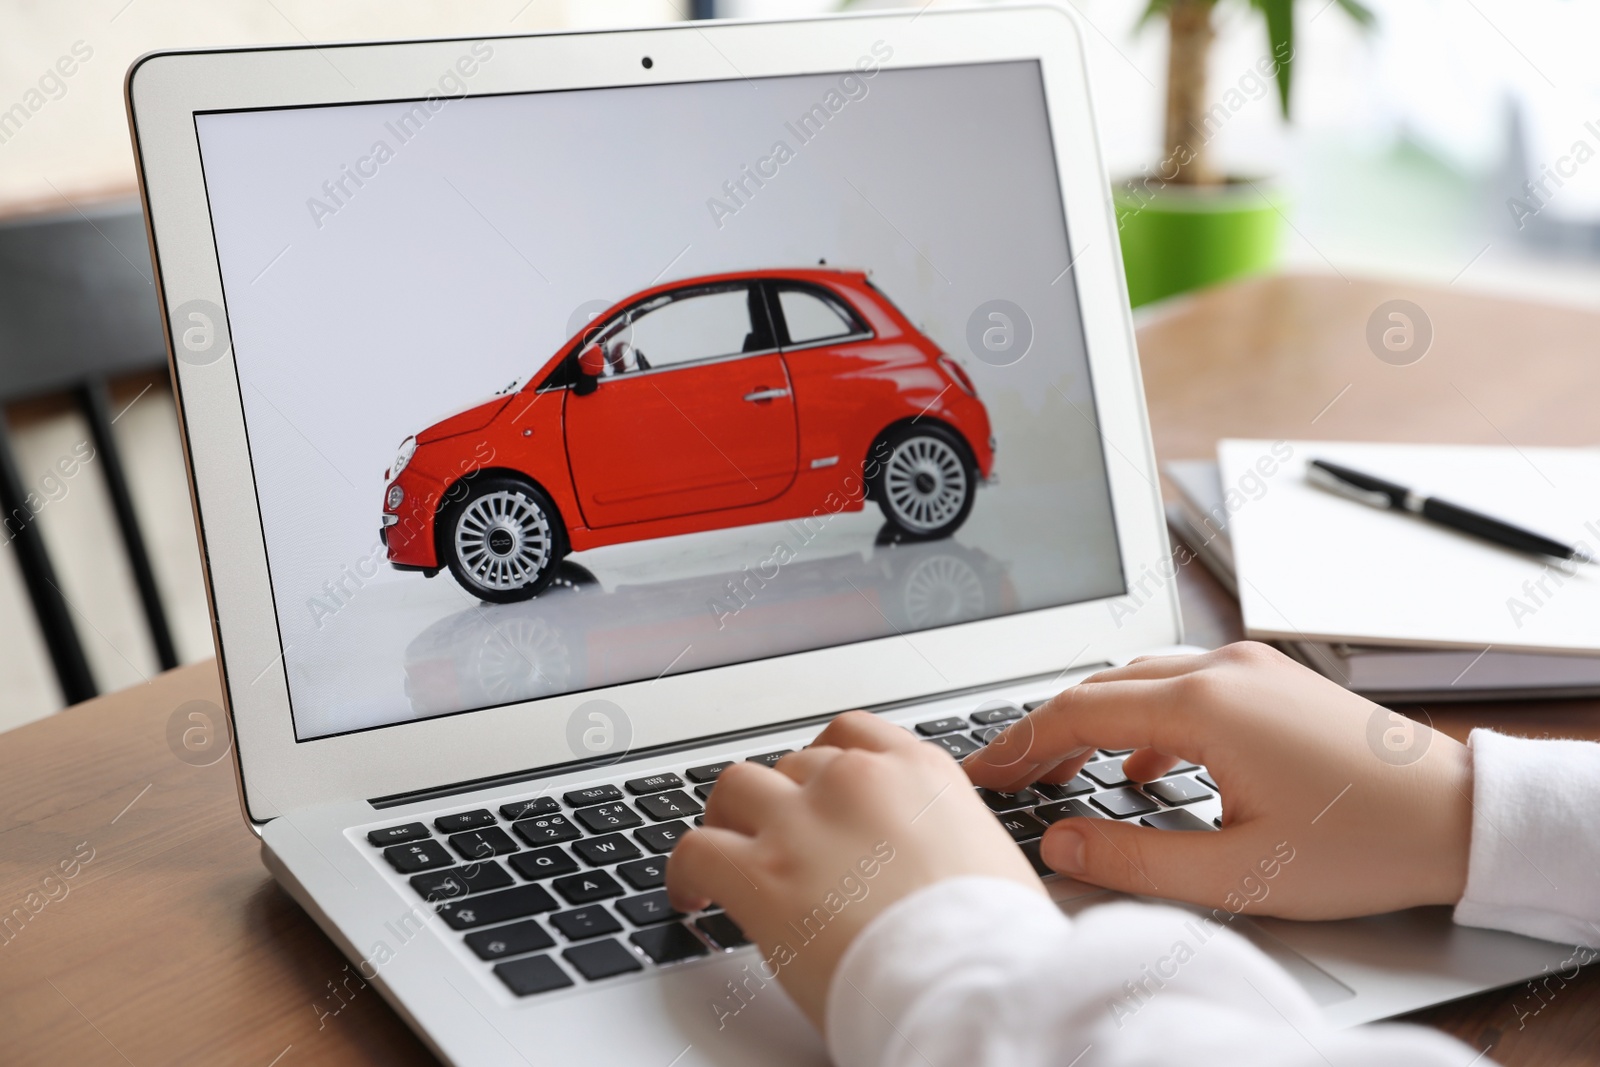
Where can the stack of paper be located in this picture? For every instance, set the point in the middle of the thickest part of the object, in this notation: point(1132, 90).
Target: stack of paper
point(1386, 603)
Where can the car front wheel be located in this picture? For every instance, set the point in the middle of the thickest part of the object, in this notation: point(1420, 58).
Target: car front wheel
point(502, 540)
point(926, 481)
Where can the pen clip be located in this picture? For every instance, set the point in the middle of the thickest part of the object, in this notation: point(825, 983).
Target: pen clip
point(1326, 479)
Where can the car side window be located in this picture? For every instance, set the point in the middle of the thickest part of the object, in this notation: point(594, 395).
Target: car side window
point(679, 328)
point(811, 318)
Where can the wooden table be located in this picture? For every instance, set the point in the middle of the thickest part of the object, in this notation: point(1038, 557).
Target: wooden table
point(172, 945)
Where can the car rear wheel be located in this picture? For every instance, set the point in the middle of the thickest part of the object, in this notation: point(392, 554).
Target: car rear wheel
point(926, 481)
point(502, 541)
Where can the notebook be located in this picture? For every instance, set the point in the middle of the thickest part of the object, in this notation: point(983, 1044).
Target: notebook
point(1199, 514)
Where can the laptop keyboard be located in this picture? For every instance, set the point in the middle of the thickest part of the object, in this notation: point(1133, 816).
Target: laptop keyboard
point(551, 892)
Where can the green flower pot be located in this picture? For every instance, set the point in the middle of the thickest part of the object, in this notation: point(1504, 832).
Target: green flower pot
point(1176, 238)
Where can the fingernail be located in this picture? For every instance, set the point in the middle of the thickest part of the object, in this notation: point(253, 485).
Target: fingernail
point(1062, 850)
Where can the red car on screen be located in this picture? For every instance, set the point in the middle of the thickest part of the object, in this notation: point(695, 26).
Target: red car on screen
point(701, 404)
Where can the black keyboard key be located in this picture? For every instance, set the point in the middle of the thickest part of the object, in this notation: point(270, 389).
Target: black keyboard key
point(704, 791)
point(958, 746)
point(1067, 809)
point(1030, 849)
point(597, 794)
point(1124, 802)
point(465, 820)
point(580, 923)
point(669, 943)
point(1176, 819)
point(513, 940)
point(1077, 787)
point(1205, 776)
point(461, 881)
point(1107, 773)
point(723, 931)
point(612, 848)
point(418, 856)
point(947, 725)
point(1177, 791)
point(588, 887)
point(1035, 705)
point(603, 818)
point(524, 809)
point(663, 837)
point(645, 874)
point(543, 863)
point(649, 909)
point(707, 773)
point(483, 844)
point(603, 959)
point(1183, 768)
point(674, 805)
point(767, 760)
point(655, 783)
point(492, 908)
point(546, 830)
point(398, 835)
point(995, 716)
point(1116, 753)
point(987, 734)
point(1021, 826)
point(1008, 801)
point(536, 974)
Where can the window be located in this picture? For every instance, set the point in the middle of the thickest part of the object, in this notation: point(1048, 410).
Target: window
point(811, 317)
point(683, 327)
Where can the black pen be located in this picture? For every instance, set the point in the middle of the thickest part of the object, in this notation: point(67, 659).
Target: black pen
point(1378, 493)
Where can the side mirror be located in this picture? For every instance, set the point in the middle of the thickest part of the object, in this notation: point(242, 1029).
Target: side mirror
point(591, 364)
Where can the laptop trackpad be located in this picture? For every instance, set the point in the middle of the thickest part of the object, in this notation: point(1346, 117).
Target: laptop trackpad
point(1074, 897)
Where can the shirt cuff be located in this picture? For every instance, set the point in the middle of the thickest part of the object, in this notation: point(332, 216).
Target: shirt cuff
point(1532, 869)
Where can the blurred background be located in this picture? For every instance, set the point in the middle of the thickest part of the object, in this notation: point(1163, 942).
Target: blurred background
point(1450, 142)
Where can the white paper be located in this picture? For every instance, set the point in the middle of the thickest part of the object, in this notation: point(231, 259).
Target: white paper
point(1315, 566)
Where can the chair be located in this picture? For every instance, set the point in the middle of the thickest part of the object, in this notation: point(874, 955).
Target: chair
point(77, 308)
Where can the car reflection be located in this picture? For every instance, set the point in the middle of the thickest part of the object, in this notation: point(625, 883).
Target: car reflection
point(576, 635)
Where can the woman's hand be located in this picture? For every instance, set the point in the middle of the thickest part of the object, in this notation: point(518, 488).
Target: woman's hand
point(1374, 810)
point(803, 856)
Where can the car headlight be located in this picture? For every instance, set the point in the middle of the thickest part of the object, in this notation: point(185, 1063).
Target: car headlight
point(408, 447)
point(395, 496)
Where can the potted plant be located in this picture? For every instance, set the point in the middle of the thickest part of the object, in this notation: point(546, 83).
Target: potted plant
point(1183, 224)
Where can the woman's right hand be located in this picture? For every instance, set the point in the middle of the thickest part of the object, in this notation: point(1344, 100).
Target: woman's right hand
point(1373, 810)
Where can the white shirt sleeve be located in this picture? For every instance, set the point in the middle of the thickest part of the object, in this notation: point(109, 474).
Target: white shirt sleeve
point(983, 971)
point(1535, 861)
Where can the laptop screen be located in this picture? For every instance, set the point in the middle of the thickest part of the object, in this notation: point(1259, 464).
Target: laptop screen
point(555, 391)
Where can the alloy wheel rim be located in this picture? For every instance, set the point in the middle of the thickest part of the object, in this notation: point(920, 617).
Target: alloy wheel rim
point(503, 540)
point(926, 483)
point(941, 590)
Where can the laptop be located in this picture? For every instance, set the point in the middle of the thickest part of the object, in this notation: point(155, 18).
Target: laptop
point(571, 415)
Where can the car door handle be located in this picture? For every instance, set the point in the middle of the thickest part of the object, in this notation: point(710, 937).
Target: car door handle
point(765, 394)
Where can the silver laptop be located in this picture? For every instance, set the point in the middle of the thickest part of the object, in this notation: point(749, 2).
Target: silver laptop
point(569, 416)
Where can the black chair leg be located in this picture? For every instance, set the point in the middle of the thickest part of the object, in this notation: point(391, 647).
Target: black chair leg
point(49, 605)
point(96, 401)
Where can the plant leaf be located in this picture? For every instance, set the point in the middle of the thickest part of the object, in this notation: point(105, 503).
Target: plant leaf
point(1362, 14)
point(1155, 9)
point(1279, 15)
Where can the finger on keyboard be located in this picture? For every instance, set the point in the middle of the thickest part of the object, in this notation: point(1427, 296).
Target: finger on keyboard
point(861, 729)
point(746, 795)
